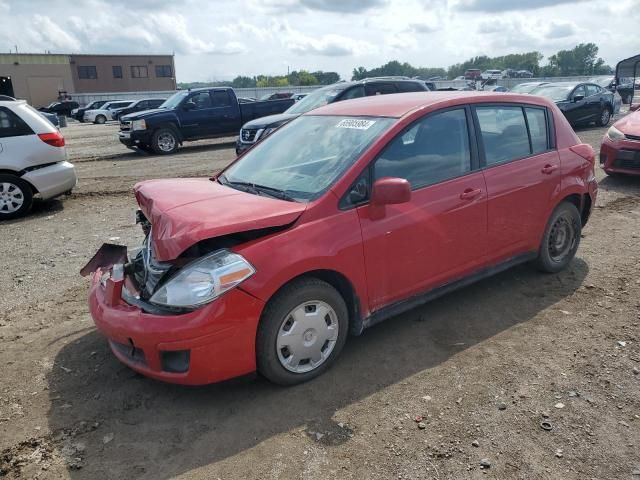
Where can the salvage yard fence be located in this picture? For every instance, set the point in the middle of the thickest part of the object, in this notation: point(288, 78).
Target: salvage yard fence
point(84, 98)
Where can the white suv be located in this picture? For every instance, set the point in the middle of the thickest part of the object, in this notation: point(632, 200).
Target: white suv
point(33, 160)
point(105, 112)
point(491, 75)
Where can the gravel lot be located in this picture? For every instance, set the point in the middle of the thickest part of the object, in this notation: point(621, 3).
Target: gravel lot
point(482, 367)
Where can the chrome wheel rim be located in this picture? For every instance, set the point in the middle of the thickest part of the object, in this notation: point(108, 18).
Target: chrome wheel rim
point(307, 336)
point(166, 142)
point(561, 239)
point(11, 198)
point(605, 117)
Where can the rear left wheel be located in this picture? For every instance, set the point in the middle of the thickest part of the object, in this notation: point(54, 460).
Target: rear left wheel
point(16, 197)
point(100, 119)
point(561, 239)
point(604, 118)
point(302, 331)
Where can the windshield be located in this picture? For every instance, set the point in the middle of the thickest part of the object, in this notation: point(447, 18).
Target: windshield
point(602, 81)
point(556, 93)
point(316, 99)
point(525, 88)
point(305, 157)
point(174, 100)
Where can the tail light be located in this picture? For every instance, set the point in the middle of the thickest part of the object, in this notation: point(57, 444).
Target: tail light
point(54, 139)
point(585, 151)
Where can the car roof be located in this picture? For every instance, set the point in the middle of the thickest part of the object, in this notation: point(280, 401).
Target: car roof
point(401, 104)
point(565, 84)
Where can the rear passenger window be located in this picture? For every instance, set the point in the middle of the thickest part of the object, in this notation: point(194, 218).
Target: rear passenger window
point(410, 87)
point(433, 150)
point(379, 89)
point(504, 134)
point(221, 99)
point(11, 125)
point(537, 129)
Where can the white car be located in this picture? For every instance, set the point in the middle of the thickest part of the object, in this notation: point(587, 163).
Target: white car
point(491, 75)
point(33, 159)
point(105, 112)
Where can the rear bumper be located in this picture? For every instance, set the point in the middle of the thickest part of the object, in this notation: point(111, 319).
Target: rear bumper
point(621, 156)
point(211, 344)
point(53, 180)
point(134, 138)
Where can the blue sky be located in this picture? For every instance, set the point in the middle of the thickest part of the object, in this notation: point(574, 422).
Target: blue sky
point(215, 40)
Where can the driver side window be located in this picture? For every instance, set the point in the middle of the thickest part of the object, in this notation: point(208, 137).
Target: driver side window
point(200, 100)
point(579, 92)
point(433, 150)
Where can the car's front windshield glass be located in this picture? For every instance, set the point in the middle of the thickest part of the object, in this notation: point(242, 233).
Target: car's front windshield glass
point(305, 157)
point(602, 81)
point(316, 99)
point(556, 93)
point(174, 100)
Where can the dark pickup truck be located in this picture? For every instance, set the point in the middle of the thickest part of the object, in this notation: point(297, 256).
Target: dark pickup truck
point(192, 115)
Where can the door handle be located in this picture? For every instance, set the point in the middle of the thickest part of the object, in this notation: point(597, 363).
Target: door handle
point(470, 193)
point(549, 169)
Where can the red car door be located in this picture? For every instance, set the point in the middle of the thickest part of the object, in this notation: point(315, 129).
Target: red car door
point(522, 172)
point(441, 232)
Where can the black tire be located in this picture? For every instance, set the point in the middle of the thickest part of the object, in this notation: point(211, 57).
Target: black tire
point(604, 117)
point(275, 316)
point(101, 119)
point(560, 240)
point(8, 185)
point(161, 143)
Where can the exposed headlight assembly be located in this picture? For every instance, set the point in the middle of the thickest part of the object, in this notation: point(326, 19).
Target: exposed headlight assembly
point(138, 125)
point(203, 280)
point(614, 134)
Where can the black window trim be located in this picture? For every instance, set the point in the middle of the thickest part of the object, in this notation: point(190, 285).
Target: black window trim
point(344, 203)
point(551, 141)
point(118, 68)
point(85, 69)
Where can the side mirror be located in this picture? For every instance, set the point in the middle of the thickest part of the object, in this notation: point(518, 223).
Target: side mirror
point(577, 98)
point(390, 191)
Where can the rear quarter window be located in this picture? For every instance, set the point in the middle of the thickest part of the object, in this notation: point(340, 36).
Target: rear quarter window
point(11, 125)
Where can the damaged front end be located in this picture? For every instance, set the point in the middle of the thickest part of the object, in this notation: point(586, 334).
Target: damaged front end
point(198, 276)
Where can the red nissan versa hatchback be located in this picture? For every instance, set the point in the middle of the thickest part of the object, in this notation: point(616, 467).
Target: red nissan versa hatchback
point(348, 215)
point(620, 149)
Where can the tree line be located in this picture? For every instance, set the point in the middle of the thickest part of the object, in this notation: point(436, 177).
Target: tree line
point(581, 60)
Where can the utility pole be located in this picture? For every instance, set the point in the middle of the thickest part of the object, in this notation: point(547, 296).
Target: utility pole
point(16, 48)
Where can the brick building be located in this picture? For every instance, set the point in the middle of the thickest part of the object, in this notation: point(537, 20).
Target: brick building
point(41, 78)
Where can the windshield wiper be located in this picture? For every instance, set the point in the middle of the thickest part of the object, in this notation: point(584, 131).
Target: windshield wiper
point(256, 189)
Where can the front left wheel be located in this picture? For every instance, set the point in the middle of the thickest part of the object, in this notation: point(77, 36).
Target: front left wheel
point(302, 332)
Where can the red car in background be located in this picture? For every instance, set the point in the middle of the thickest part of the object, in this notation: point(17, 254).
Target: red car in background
point(620, 150)
point(348, 215)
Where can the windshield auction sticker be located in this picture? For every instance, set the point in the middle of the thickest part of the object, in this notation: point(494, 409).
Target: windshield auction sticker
point(355, 123)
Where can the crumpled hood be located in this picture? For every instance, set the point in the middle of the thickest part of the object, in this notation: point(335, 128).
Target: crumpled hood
point(630, 124)
point(186, 211)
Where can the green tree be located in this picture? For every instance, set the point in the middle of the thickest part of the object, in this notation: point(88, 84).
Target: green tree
point(581, 60)
point(243, 82)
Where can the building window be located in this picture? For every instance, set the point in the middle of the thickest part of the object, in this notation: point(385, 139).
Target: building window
point(139, 71)
point(87, 73)
point(117, 71)
point(163, 71)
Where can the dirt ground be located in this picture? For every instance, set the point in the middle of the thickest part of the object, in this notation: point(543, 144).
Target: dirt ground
point(483, 367)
